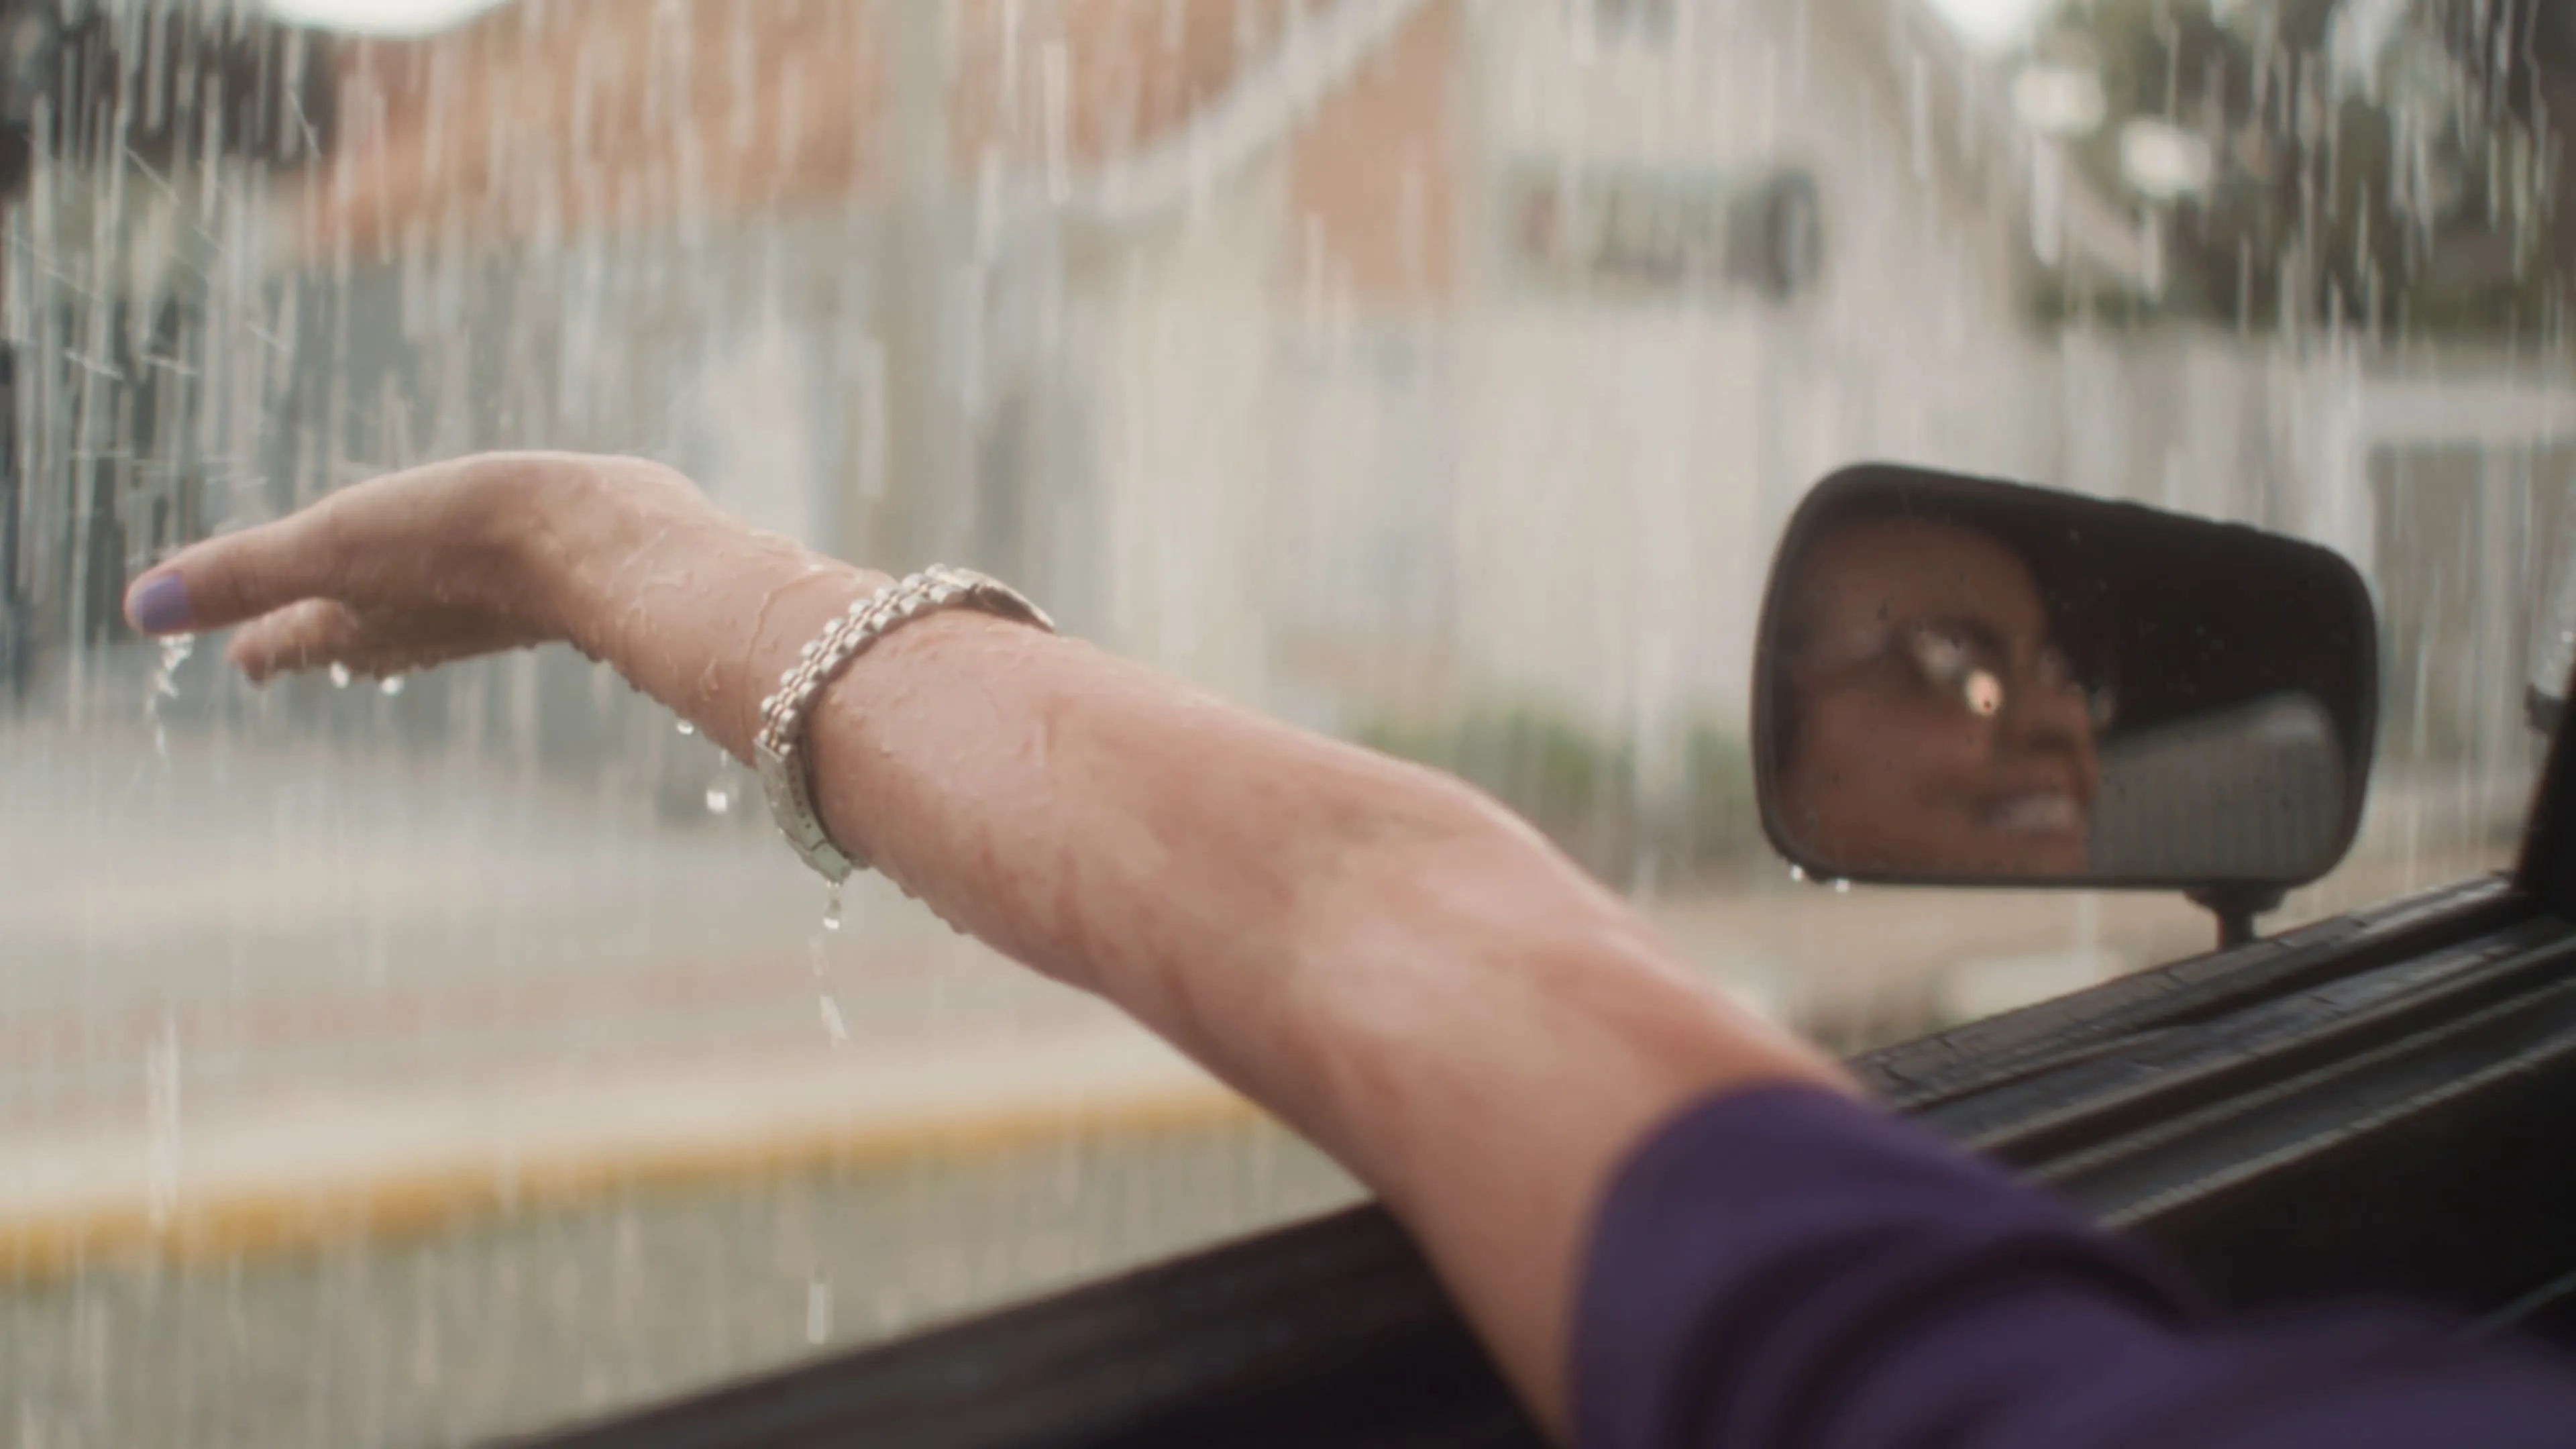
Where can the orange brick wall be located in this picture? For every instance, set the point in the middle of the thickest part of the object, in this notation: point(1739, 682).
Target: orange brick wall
point(1374, 178)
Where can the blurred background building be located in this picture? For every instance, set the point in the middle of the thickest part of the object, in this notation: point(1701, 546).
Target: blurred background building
point(1221, 322)
point(1432, 372)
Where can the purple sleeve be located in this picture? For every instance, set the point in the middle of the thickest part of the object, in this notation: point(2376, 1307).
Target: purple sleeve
point(1782, 1269)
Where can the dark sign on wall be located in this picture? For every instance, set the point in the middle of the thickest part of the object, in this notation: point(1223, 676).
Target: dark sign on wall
point(1662, 233)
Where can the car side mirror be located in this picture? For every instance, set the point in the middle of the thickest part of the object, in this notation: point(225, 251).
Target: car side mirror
point(2553, 649)
point(1968, 682)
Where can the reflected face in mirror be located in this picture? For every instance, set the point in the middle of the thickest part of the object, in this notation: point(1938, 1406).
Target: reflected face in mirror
point(1929, 719)
point(1929, 685)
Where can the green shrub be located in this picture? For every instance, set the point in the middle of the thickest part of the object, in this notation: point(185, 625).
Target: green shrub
point(1543, 765)
point(1721, 813)
point(1581, 791)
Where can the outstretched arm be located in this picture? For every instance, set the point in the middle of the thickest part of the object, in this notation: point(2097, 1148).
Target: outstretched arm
point(1379, 955)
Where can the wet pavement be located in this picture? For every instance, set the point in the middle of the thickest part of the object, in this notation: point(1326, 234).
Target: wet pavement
point(243, 964)
point(354, 1098)
point(538, 1319)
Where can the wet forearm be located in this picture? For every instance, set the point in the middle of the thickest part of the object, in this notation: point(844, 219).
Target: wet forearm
point(1090, 817)
point(1374, 952)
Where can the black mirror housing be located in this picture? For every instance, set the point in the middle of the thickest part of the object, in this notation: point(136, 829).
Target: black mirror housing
point(1961, 681)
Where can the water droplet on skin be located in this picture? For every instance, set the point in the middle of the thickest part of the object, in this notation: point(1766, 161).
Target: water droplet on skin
point(687, 728)
point(1842, 887)
point(392, 685)
point(1797, 872)
point(833, 1027)
point(718, 802)
point(339, 676)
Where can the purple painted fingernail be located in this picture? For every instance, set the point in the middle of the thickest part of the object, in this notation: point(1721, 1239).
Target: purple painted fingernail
point(159, 605)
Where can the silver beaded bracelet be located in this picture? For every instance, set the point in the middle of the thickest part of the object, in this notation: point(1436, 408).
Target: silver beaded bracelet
point(778, 750)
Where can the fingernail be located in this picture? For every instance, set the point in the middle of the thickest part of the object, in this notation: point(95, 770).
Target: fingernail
point(159, 605)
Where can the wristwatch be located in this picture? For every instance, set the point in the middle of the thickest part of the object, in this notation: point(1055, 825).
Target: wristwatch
point(778, 749)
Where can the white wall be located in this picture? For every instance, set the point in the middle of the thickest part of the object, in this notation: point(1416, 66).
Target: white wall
point(1612, 475)
point(1180, 326)
point(1625, 468)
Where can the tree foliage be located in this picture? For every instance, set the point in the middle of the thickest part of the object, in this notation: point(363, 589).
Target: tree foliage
point(2375, 167)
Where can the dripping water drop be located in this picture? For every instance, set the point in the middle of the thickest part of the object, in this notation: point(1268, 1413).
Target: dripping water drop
point(174, 652)
point(340, 676)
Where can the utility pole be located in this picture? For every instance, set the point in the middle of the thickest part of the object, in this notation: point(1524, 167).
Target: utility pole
point(926, 507)
point(13, 509)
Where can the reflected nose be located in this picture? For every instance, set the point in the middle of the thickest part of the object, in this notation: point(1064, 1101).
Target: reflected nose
point(2050, 715)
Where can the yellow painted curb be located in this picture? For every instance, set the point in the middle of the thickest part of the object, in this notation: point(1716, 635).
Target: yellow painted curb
point(277, 1220)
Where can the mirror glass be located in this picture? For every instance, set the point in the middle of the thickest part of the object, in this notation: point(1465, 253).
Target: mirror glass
point(1962, 680)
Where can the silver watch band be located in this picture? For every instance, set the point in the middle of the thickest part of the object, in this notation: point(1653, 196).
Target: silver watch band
point(778, 750)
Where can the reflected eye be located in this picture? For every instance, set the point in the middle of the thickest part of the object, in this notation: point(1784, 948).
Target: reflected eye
point(1943, 659)
point(1979, 678)
point(1957, 668)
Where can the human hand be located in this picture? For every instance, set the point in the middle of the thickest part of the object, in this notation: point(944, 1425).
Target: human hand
point(418, 568)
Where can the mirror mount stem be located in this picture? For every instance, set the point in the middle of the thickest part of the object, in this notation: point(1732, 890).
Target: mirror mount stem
point(2236, 906)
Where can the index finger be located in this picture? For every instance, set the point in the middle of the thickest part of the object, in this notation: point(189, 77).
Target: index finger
point(239, 576)
point(378, 533)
